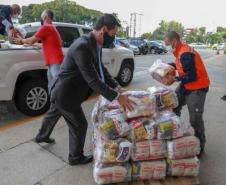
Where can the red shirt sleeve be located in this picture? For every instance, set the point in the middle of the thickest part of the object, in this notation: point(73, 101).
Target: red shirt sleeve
point(42, 32)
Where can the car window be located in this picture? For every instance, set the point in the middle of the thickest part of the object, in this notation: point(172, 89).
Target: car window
point(68, 35)
point(86, 31)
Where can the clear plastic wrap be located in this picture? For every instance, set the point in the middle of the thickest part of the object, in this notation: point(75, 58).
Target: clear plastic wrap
point(142, 129)
point(183, 147)
point(169, 126)
point(103, 105)
point(146, 170)
point(166, 98)
point(113, 151)
point(145, 104)
point(109, 173)
point(148, 150)
point(183, 167)
point(162, 72)
point(113, 124)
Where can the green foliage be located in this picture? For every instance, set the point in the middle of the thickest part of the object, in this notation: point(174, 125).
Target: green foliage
point(64, 10)
point(221, 29)
point(165, 27)
point(147, 36)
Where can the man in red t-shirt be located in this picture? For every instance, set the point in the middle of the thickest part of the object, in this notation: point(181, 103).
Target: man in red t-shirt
point(53, 57)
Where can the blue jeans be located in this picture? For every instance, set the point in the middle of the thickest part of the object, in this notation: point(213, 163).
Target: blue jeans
point(52, 73)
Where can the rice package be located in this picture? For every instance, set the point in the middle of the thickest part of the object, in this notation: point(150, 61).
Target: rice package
point(183, 147)
point(148, 150)
point(183, 167)
point(112, 173)
point(169, 125)
point(166, 98)
point(146, 170)
point(145, 105)
point(142, 129)
point(112, 151)
point(162, 72)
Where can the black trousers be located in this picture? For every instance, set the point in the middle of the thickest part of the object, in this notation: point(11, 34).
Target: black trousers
point(77, 124)
point(49, 121)
point(195, 102)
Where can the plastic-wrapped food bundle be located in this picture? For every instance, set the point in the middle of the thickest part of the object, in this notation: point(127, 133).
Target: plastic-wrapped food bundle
point(183, 167)
point(142, 129)
point(103, 105)
point(162, 72)
point(146, 170)
point(113, 124)
point(112, 151)
point(148, 150)
point(169, 125)
point(109, 173)
point(183, 147)
point(145, 104)
point(165, 97)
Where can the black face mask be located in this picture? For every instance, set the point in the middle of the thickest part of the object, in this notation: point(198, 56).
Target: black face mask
point(108, 40)
point(42, 22)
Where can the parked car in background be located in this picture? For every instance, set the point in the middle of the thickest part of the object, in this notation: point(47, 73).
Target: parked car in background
point(125, 43)
point(156, 47)
point(141, 44)
point(214, 46)
point(198, 45)
point(221, 46)
point(23, 77)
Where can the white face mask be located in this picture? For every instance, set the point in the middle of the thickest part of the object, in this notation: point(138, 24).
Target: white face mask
point(171, 49)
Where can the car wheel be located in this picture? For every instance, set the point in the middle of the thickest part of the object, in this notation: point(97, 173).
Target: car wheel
point(32, 97)
point(125, 75)
point(152, 51)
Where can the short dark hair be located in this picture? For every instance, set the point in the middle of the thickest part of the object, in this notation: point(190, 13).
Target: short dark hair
point(173, 35)
point(107, 20)
point(50, 14)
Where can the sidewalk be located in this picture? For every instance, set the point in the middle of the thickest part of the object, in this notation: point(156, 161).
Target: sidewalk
point(23, 162)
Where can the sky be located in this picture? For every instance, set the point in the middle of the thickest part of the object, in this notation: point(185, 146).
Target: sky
point(191, 13)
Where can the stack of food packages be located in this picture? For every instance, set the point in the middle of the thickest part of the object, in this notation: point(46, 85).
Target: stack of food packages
point(147, 143)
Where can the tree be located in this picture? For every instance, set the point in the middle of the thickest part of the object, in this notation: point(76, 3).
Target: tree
point(165, 27)
point(147, 36)
point(221, 29)
point(64, 10)
point(214, 38)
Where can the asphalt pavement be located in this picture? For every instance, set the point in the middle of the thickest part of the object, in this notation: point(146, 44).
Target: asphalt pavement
point(23, 162)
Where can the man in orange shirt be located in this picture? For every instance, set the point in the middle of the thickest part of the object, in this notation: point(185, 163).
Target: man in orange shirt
point(53, 57)
point(194, 83)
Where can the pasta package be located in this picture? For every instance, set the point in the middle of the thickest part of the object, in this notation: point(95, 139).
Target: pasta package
point(145, 105)
point(148, 150)
point(113, 151)
point(162, 72)
point(183, 167)
point(146, 170)
point(183, 147)
point(166, 98)
point(142, 129)
point(169, 126)
point(109, 173)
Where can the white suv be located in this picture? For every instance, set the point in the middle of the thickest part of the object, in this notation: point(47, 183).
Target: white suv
point(23, 74)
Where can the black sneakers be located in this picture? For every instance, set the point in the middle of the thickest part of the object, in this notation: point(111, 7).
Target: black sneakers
point(81, 160)
point(223, 97)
